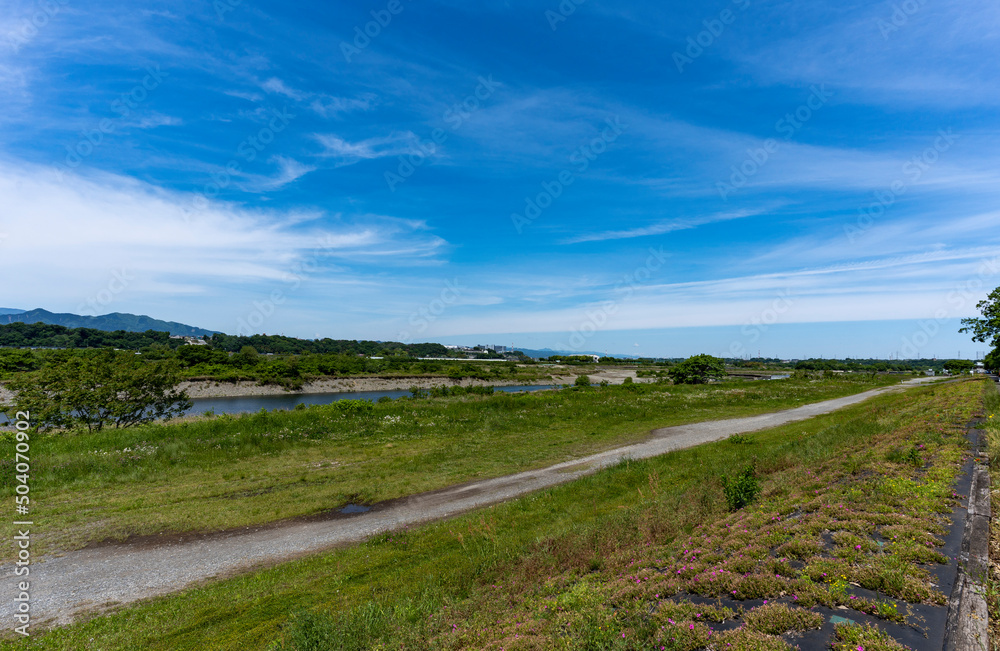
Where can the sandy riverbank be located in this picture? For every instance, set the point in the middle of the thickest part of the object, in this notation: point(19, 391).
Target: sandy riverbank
point(214, 389)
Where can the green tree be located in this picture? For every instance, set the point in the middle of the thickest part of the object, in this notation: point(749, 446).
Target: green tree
point(986, 329)
point(192, 355)
point(959, 365)
point(107, 388)
point(699, 369)
point(992, 361)
point(247, 357)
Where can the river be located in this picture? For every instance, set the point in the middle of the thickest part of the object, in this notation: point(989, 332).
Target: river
point(249, 404)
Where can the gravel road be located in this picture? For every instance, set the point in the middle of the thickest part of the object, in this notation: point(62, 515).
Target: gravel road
point(63, 587)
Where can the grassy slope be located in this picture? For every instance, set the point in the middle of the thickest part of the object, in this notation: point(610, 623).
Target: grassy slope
point(236, 471)
point(545, 571)
point(992, 399)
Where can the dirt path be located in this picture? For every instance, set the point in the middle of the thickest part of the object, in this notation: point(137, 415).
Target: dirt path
point(93, 579)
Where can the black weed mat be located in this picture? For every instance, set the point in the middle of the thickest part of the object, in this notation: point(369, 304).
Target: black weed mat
point(925, 625)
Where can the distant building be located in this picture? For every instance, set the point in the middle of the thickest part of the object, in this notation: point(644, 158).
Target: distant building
point(190, 341)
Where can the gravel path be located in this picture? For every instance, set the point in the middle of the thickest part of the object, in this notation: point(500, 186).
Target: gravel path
point(63, 587)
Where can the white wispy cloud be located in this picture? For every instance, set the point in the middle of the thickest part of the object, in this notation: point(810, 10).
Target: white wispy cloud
point(289, 170)
point(934, 285)
point(155, 120)
point(275, 85)
point(95, 224)
point(664, 227)
point(870, 51)
point(329, 106)
point(348, 153)
point(250, 97)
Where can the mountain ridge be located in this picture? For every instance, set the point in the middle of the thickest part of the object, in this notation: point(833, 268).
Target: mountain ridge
point(106, 322)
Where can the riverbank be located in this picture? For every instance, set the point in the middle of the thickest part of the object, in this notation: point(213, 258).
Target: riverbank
point(849, 526)
point(249, 388)
point(216, 389)
point(213, 474)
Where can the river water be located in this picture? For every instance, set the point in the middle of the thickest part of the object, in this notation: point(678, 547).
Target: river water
point(249, 404)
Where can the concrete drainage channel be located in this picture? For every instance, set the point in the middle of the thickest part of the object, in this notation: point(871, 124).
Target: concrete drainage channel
point(968, 621)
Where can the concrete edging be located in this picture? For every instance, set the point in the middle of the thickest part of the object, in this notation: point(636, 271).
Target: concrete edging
point(968, 619)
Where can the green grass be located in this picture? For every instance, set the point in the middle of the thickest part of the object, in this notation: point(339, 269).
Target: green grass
point(604, 562)
point(227, 472)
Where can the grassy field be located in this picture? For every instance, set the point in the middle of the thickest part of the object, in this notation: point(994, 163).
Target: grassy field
point(230, 471)
point(607, 562)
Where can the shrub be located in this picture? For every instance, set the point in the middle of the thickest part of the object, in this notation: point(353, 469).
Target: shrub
point(582, 381)
point(355, 407)
point(742, 490)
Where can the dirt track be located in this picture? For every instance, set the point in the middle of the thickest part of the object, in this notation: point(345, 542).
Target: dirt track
point(66, 586)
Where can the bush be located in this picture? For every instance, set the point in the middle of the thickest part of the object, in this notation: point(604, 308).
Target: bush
point(355, 407)
point(700, 369)
point(582, 381)
point(743, 490)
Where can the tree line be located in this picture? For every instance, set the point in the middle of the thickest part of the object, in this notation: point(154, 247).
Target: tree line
point(44, 335)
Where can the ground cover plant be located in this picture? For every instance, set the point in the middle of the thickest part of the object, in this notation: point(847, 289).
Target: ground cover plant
point(991, 398)
point(230, 471)
point(640, 554)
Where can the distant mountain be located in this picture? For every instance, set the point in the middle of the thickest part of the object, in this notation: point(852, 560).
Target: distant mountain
point(106, 322)
point(7, 310)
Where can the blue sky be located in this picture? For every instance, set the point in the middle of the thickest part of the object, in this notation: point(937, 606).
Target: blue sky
point(664, 178)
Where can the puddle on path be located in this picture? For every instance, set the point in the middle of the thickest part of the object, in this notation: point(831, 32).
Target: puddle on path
point(355, 508)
